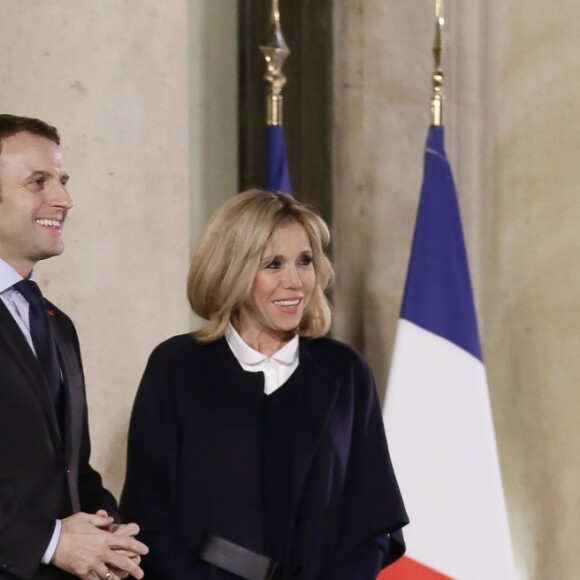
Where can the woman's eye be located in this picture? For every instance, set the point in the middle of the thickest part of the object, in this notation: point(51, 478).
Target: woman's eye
point(274, 264)
point(305, 261)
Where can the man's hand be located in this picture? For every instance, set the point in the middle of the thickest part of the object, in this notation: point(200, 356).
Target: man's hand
point(126, 530)
point(86, 548)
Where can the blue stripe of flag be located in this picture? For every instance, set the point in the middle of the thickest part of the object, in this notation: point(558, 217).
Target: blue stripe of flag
point(438, 294)
point(278, 176)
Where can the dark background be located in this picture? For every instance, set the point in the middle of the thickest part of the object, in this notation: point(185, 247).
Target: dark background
point(307, 28)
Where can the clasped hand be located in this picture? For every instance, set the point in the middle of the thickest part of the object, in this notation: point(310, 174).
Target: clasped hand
point(93, 546)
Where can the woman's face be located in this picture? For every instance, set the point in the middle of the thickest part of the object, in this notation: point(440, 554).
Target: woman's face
point(281, 288)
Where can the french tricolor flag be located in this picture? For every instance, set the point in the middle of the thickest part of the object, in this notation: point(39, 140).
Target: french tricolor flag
point(437, 411)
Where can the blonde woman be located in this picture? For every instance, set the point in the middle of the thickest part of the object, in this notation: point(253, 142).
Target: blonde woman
point(256, 445)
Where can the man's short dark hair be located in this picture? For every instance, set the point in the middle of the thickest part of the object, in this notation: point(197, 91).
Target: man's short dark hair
point(11, 125)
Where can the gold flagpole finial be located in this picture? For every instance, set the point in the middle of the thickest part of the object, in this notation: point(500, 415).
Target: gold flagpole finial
point(275, 53)
point(437, 96)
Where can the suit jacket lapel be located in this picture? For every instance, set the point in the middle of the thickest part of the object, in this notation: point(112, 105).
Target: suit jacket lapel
point(16, 344)
point(72, 390)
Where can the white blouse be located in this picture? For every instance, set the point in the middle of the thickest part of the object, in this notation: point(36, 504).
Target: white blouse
point(277, 368)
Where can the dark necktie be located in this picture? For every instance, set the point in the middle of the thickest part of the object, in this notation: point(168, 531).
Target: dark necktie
point(42, 336)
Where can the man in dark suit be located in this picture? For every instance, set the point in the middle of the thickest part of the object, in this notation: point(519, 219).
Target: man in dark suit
point(57, 520)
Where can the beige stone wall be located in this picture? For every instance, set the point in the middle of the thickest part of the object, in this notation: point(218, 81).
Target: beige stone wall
point(533, 279)
point(512, 118)
point(134, 88)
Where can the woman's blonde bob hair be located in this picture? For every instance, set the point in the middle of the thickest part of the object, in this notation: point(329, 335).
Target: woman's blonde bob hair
point(227, 259)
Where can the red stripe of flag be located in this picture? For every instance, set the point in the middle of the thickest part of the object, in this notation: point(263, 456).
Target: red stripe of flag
point(408, 569)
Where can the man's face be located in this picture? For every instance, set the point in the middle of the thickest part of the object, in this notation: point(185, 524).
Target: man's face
point(33, 200)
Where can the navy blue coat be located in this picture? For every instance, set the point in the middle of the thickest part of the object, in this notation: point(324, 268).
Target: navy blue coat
point(193, 465)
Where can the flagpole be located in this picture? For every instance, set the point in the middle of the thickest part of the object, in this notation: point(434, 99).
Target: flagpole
point(437, 96)
point(275, 53)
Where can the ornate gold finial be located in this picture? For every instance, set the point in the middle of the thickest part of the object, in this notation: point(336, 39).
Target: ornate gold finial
point(437, 96)
point(275, 53)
